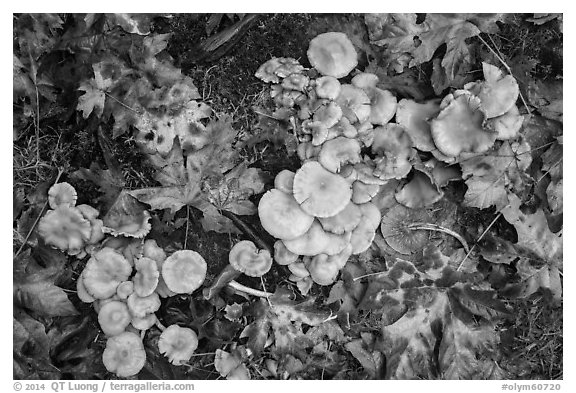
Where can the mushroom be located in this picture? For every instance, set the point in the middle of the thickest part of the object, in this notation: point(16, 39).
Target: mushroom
point(146, 277)
point(345, 221)
point(339, 151)
point(113, 317)
point(355, 104)
point(327, 87)
point(145, 322)
point(282, 255)
point(497, 93)
point(317, 241)
point(396, 229)
point(508, 125)
point(319, 192)
point(62, 194)
point(184, 271)
point(459, 127)
point(65, 228)
point(104, 272)
point(328, 115)
point(124, 354)
point(393, 148)
point(153, 251)
point(81, 291)
point(284, 181)
point(246, 258)
point(281, 216)
point(414, 117)
point(365, 80)
point(275, 67)
point(295, 81)
point(298, 269)
point(382, 105)
point(125, 289)
point(332, 54)
point(420, 191)
point(141, 306)
point(344, 128)
point(288, 66)
point(177, 344)
point(322, 270)
point(362, 192)
point(364, 233)
point(307, 151)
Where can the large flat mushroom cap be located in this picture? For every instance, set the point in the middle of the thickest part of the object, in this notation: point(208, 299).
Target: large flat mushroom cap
point(414, 118)
point(184, 271)
point(246, 258)
point(62, 194)
point(178, 344)
point(282, 217)
point(65, 228)
point(498, 93)
point(332, 54)
point(124, 354)
point(319, 192)
point(339, 151)
point(344, 221)
point(104, 272)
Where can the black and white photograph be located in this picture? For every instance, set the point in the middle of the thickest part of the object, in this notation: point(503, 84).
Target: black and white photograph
point(287, 196)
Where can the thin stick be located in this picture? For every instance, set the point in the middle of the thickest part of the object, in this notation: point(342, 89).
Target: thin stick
point(251, 291)
point(160, 326)
point(507, 69)
point(120, 102)
point(60, 171)
point(438, 228)
point(480, 238)
point(187, 225)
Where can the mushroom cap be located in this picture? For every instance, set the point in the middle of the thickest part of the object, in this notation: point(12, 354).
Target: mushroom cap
point(355, 104)
point(65, 228)
point(177, 344)
point(81, 291)
point(88, 212)
point(498, 93)
point(277, 67)
point(298, 269)
point(345, 221)
point(125, 289)
point(141, 306)
point(420, 191)
point(393, 148)
point(225, 362)
point(328, 114)
point(113, 317)
point(458, 128)
point(362, 192)
point(382, 105)
point(288, 66)
point(144, 323)
point(414, 117)
point(124, 354)
point(317, 241)
point(127, 218)
point(104, 272)
point(146, 277)
point(284, 181)
point(319, 192)
point(363, 235)
point(282, 255)
point(62, 194)
point(184, 271)
point(153, 251)
point(344, 128)
point(240, 373)
point(246, 258)
point(327, 87)
point(508, 125)
point(339, 151)
point(396, 232)
point(322, 270)
point(332, 54)
point(365, 80)
point(296, 81)
point(281, 216)
point(307, 151)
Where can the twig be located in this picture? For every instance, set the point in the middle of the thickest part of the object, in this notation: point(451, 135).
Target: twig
point(120, 102)
point(507, 69)
point(438, 228)
point(480, 238)
point(251, 291)
point(187, 225)
point(60, 171)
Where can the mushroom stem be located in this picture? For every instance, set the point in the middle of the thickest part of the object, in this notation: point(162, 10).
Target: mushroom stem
point(438, 228)
point(60, 171)
point(251, 291)
point(160, 326)
point(247, 230)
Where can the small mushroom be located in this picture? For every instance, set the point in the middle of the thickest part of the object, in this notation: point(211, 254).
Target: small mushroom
point(394, 151)
point(145, 322)
point(498, 93)
point(327, 87)
point(127, 217)
point(362, 192)
point(178, 344)
point(508, 125)
point(104, 272)
point(322, 270)
point(81, 291)
point(125, 289)
point(146, 277)
point(113, 317)
point(319, 192)
point(141, 306)
point(296, 81)
point(124, 354)
point(298, 269)
point(365, 80)
point(282, 255)
point(345, 221)
point(281, 216)
point(284, 181)
point(317, 241)
point(246, 258)
point(339, 151)
point(396, 229)
point(184, 271)
point(355, 104)
point(62, 194)
point(332, 54)
point(382, 105)
point(328, 115)
point(414, 117)
point(65, 228)
point(363, 235)
point(420, 191)
point(153, 251)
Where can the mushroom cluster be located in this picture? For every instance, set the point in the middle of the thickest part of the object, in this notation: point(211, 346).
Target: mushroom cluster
point(356, 141)
point(68, 227)
point(125, 280)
